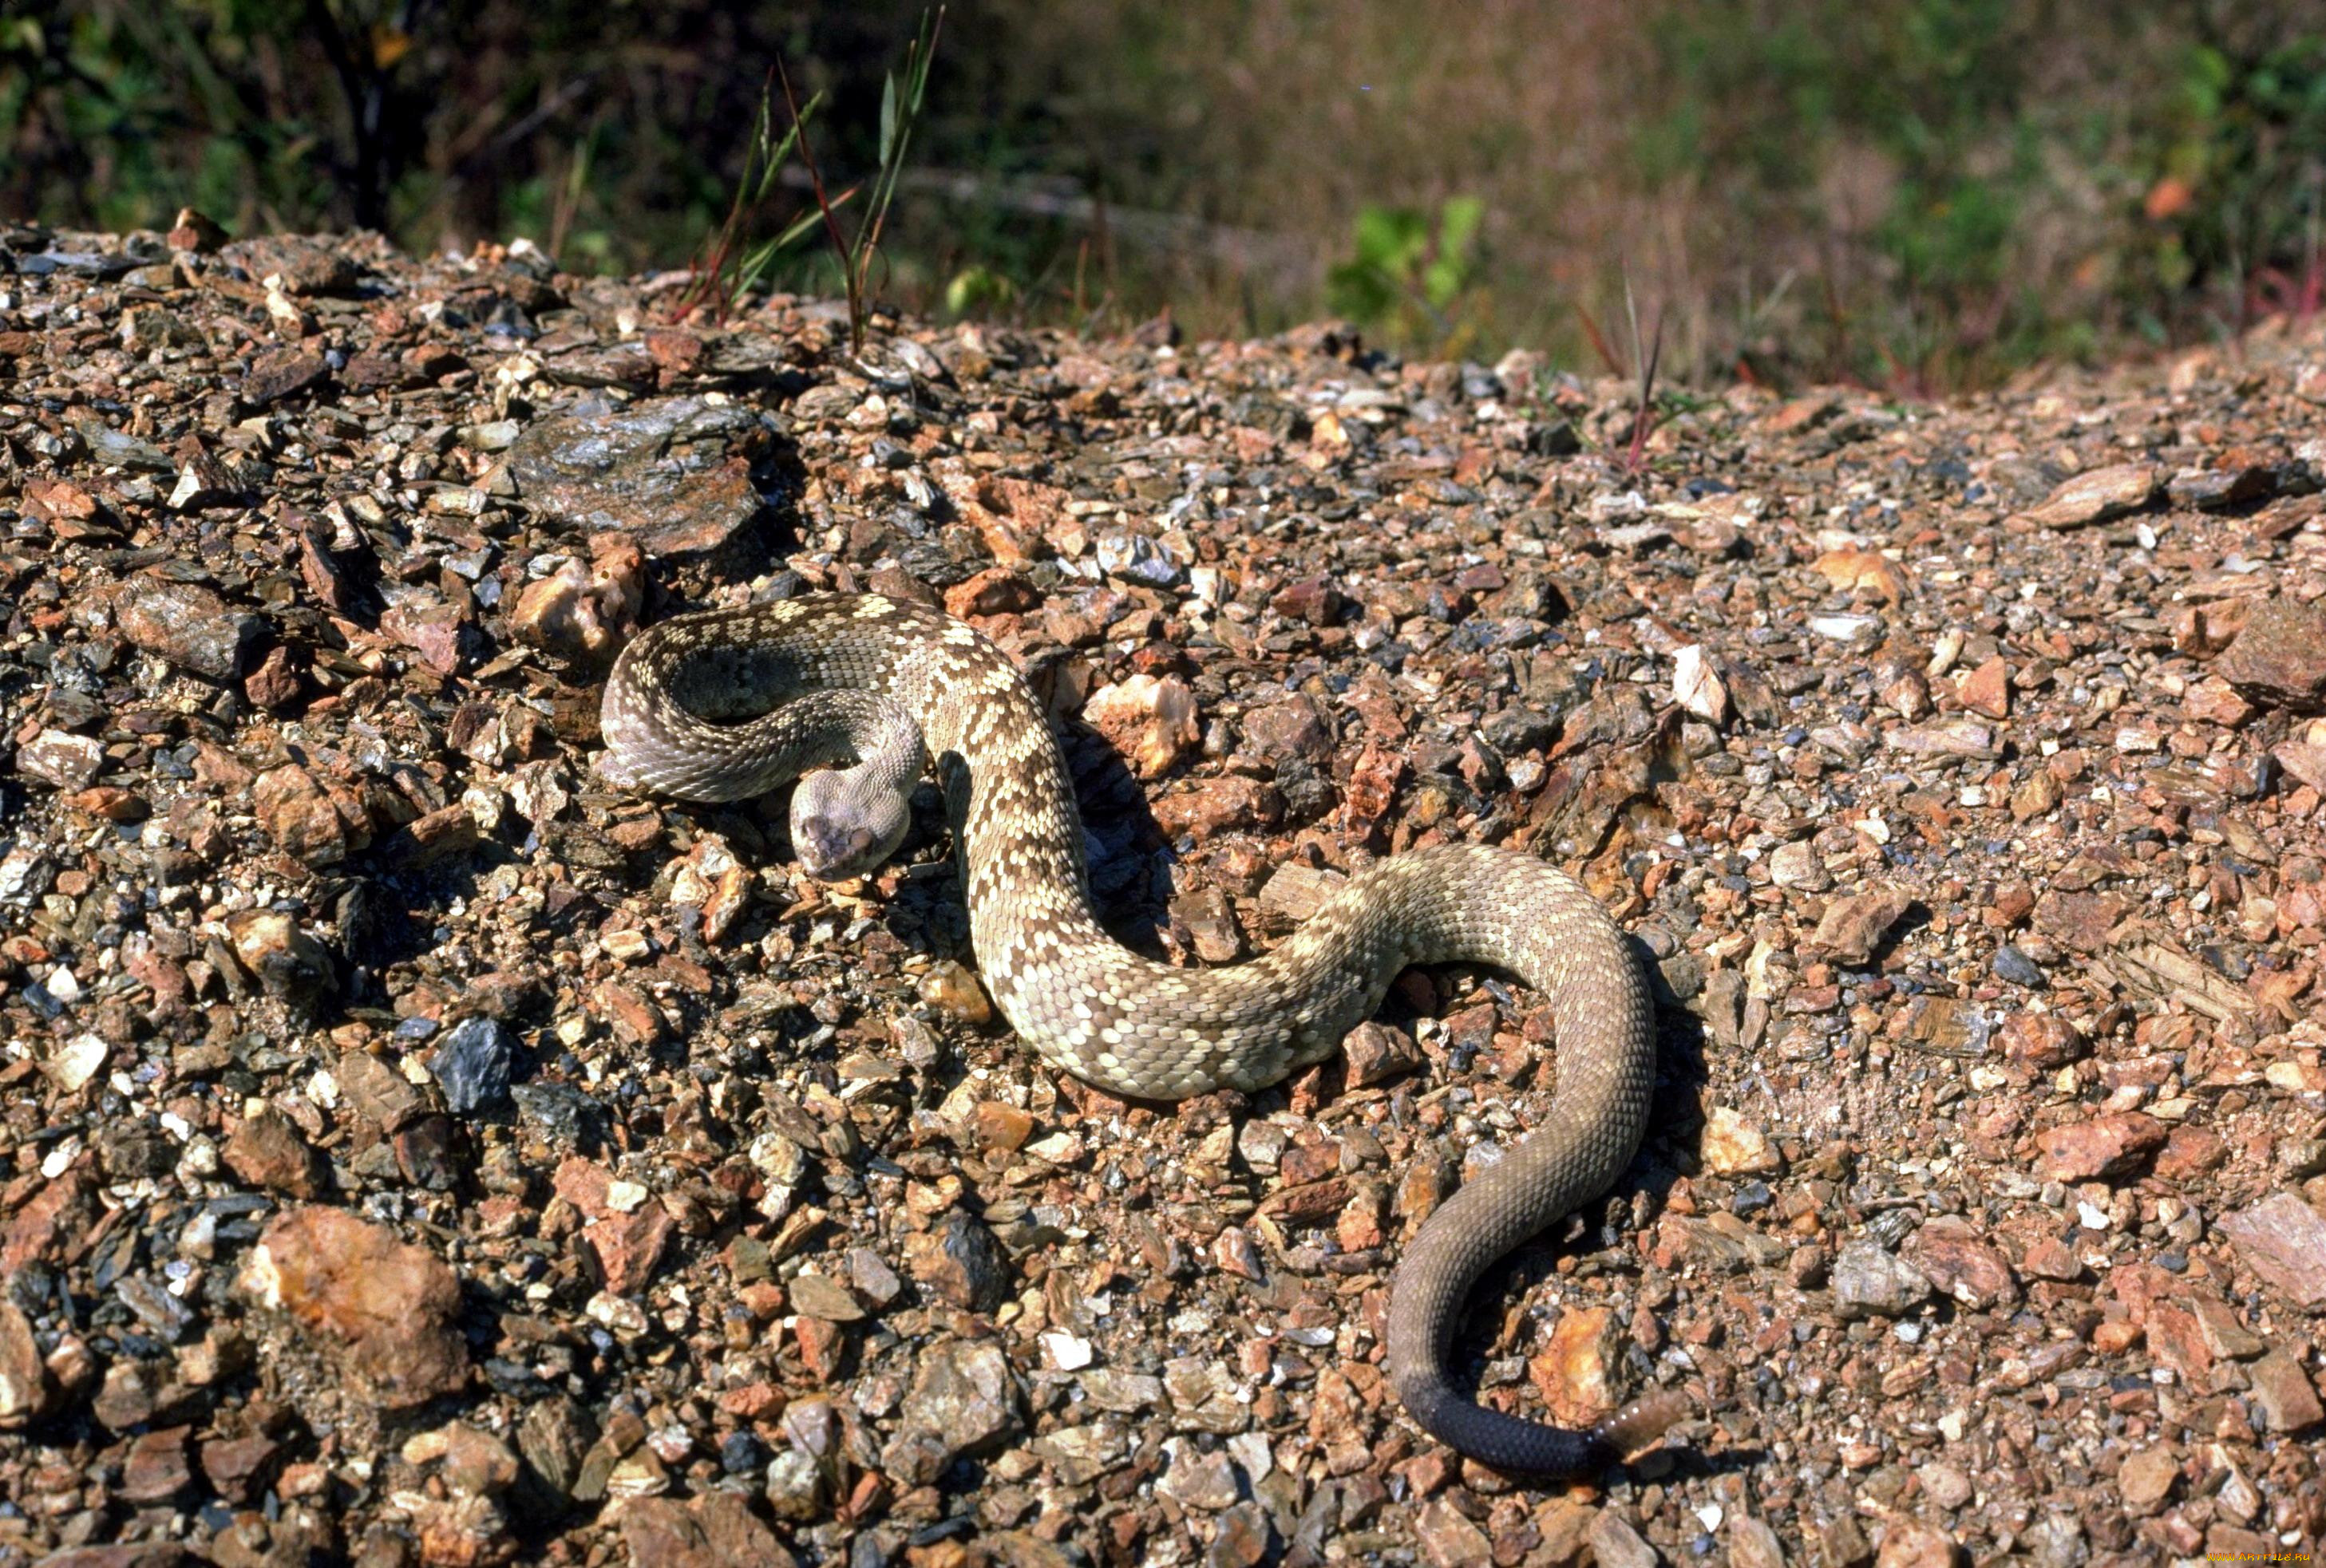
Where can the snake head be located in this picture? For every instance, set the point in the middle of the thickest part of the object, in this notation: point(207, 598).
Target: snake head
point(841, 829)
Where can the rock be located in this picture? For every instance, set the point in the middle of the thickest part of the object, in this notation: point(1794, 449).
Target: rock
point(1697, 685)
point(159, 1467)
point(821, 1296)
point(995, 591)
point(712, 1530)
point(963, 1399)
point(1752, 1543)
point(1574, 1371)
point(955, 991)
point(388, 1308)
point(305, 820)
point(300, 265)
point(2283, 1239)
point(1854, 925)
point(1986, 690)
point(1796, 866)
point(281, 373)
point(961, 1262)
point(2012, 965)
point(1908, 1542)
point(60, 760)
point(1376, 1053)
point(672, 474)
point(1961, 1262)
point(2104, 1146)
point(266, 1151)
point(1291, 728)
point(629, 1246)
point(1733, 1147)
point(585, 613)
point(2042, 1041)
point(185, 623)
point(471, 1065)
point(1150, 722)
point(2145, 1480)
point(2285, 1393)
point(285, 961)
point(1854, 571)
point(1867, 1282)
point(26, 1391)
point(2096, 495)
point(1448, 1539)
point(2280, 657)
point(1614, 1544)
point(711, 879)
point(1199, 1479)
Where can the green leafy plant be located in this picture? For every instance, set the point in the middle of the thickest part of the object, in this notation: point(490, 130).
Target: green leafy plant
point(1410, 269)
point(900, 112)
point(724, 272)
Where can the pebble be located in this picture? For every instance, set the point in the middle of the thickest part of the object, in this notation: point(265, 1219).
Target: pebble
point(389, 1308)
point(471, 1065)
point(1867, 1282)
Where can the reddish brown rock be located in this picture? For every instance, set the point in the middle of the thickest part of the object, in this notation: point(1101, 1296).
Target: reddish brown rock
point(2042, 1041)
point(2096, 495)
point(1854, 925)
point(1962, 1263)
point(387, 1308)
point(2280, 657)
point(2104, 1146)
point(2283, 1239)
point(266, 1151)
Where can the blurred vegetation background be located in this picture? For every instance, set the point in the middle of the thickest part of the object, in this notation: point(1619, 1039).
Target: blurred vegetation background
point(1920, 194)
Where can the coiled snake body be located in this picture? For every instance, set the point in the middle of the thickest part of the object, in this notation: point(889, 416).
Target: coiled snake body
point(729, 703)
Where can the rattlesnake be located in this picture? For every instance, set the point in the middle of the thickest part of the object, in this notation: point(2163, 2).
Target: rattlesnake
point(729, 703)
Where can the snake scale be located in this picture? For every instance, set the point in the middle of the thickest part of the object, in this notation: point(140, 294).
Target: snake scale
point(726, 704)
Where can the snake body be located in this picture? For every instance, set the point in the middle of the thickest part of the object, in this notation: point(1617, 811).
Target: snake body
point(696, 707)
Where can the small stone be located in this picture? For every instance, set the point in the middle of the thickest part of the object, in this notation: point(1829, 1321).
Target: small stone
point(2285, 1393)
point(268, 1151)
point(629, 1246)
point(1376, 1053)
point(820, 1296)
point(2042, 1041)
point(159, 1467)
point(1733, 1147)
point(286, 961)
point(390, 1308)
point(2104, 1146)
point(710, 878)
point(995, 591)
point(1614, 1544)
point(1697, 685)
point(25, 1390)
point(2014, 966)
point(963, 1399)
point(672, 474)
point(2283, 1239)
point(1796, 866)
point(2097, 496)
point(1752, 1543)
point(1197, 1479)
point(1448, 1539)
point(2145, 1480)
point(2280, 657)
point(585, 613)
point(1574, 1371)
point(1960, 1262)
point(61, 760)
point(305, 820)
point(953, 990)
point(1854, 925)
point(1986, 690)
point(1908, 1542)
point(281, 373)
point(471, 1065)
point(715, 1529)
point(1867, 1282)
point(1150, 721)
point(185, 623)
point(1866, 570)
point(960, 1261)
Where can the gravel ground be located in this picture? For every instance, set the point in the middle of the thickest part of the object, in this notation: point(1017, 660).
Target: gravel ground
point(414, 1151)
